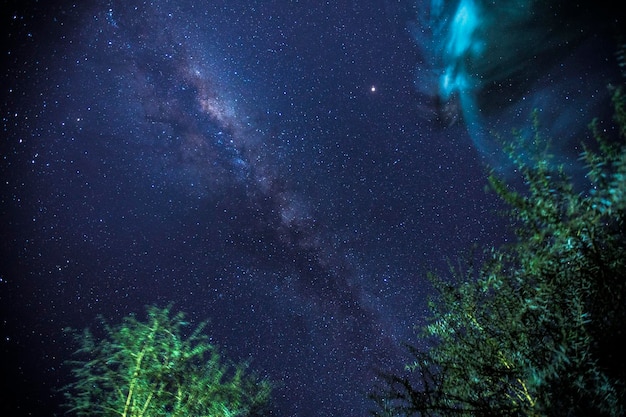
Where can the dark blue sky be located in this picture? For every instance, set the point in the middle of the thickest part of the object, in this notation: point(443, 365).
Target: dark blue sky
point(231, 157)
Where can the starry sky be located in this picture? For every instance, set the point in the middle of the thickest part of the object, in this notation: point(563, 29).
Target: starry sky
point(288, 170)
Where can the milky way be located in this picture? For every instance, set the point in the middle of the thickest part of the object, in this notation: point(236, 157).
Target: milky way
point(211, 146)
point(183, 114)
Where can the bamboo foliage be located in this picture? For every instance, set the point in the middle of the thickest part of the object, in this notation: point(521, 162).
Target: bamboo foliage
point(149, 368)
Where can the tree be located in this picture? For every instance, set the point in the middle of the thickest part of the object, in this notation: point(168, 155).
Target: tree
point(538, 328)
point(147, 369)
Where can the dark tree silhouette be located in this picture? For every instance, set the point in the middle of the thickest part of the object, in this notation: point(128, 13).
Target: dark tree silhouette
point(538, 328)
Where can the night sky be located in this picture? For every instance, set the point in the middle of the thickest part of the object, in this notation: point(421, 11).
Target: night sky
point(287, 170)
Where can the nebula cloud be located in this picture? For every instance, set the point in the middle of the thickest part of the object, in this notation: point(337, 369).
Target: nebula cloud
point(490, 65)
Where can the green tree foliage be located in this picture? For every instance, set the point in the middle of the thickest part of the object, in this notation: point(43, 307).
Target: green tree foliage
point(148, 369)
point(538, 328)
